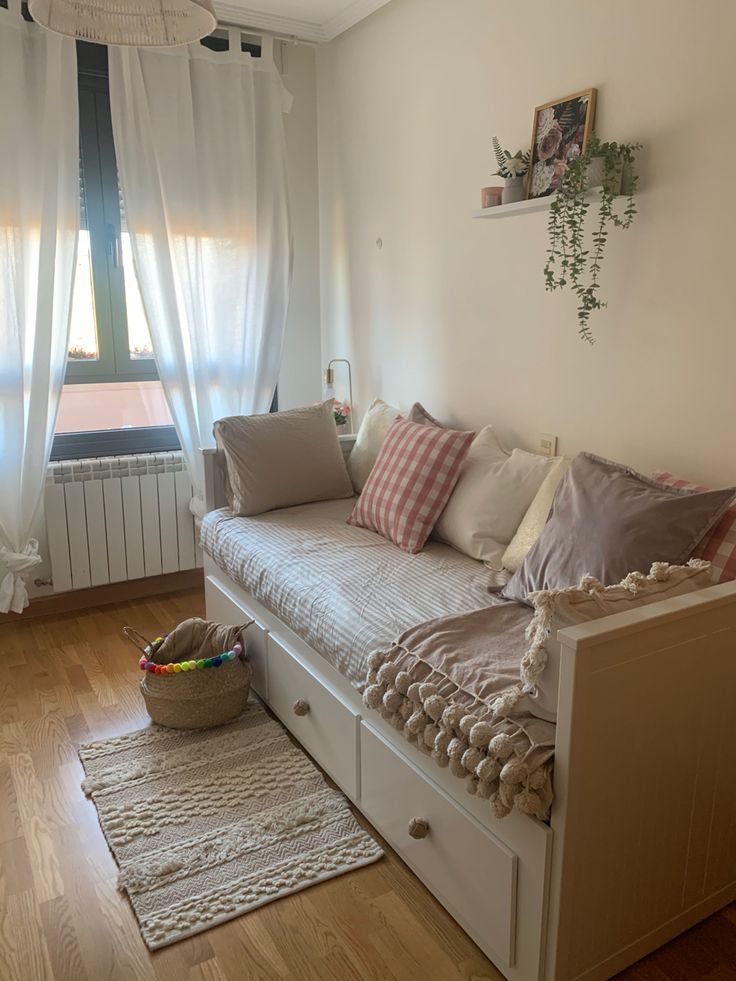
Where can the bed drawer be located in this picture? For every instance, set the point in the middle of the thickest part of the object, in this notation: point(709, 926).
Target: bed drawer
point(223, 608)
point(469, 870)
point(319, 719)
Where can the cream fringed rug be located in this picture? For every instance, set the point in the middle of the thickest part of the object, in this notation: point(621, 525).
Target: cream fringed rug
point(208, 825)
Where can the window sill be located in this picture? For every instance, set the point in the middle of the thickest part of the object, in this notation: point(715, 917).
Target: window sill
point(114, 442)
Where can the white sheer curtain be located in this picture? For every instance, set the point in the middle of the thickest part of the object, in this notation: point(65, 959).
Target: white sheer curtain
point(200, 147)
point(39, 223)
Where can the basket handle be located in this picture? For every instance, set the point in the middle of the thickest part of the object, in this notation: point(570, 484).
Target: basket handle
point(140, 643)
point(137, 639)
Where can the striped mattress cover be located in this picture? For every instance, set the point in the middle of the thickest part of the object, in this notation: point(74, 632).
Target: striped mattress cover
point(346, 591)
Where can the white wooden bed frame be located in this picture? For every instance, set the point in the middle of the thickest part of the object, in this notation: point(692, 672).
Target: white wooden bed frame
point(642, 839)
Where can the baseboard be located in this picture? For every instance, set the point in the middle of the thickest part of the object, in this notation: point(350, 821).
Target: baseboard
point(119, 592)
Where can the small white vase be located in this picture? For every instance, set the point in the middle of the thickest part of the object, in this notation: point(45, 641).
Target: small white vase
point(514, 190)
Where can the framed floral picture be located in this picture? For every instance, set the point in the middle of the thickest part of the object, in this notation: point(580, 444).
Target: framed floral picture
point(560, 133)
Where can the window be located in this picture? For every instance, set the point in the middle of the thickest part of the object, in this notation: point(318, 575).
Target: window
point(109, 340)
point(112, 401)
point(111, 375)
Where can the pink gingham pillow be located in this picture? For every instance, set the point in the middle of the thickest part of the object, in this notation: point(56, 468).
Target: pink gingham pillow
point(415, 472)
point(719, 547)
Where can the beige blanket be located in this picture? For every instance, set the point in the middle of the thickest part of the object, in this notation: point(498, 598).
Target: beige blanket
point(438, 684)
point(195, 639)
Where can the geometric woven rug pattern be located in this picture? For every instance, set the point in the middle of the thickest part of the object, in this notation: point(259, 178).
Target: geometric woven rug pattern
point(208, 825)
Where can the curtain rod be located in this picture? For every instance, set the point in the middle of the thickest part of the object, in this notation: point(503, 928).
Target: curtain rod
point(248, 29)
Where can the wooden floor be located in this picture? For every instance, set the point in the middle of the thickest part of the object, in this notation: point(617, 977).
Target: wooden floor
point(68, 679)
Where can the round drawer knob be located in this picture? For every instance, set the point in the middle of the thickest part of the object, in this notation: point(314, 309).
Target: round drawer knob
point(301, 707)
point(418, 828)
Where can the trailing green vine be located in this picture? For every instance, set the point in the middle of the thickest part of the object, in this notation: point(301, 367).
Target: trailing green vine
point(569, 264)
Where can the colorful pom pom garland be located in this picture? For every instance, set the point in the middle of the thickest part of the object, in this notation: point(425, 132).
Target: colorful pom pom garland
point(209, 662)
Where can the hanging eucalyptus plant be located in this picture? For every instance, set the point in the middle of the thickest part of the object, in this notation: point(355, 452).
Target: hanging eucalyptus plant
point(569, 263)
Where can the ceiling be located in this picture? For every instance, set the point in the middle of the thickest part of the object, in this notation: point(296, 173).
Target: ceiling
point(310, 20)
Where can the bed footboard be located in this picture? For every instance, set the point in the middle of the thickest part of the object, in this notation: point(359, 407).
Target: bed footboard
point(645, 780)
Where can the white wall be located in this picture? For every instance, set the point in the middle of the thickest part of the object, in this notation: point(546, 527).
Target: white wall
point(300, 380)
point(453, 311)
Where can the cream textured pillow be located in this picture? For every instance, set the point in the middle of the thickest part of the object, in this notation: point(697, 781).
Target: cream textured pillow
point(281, 459)
point(556, 609)
point(536, 517)
point(494, 491)
point(369, 440)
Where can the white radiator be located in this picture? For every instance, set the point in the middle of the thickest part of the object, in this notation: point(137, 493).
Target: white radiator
point(118, 518)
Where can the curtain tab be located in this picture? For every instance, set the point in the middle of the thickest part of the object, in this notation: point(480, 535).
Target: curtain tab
point(267, 48)
point(13, 592)
point(234, 37)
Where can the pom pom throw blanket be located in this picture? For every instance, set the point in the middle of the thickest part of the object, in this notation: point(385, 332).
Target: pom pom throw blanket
point(443, 685)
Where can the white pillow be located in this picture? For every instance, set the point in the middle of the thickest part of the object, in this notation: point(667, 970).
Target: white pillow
point(368, 442)
point(556, 609)
point(493, 492)
point(536, 517)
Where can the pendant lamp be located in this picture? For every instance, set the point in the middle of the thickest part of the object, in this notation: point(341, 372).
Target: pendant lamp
point(143, 23)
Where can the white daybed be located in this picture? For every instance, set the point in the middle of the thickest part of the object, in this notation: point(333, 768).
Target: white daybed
point(642, 839)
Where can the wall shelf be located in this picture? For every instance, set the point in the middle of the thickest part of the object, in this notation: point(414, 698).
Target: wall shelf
point(525, 207)
point(517, 208)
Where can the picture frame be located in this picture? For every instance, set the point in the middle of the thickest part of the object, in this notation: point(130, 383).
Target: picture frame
point(561, 129)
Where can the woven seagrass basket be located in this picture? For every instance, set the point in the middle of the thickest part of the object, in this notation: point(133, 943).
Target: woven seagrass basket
point(194, 699)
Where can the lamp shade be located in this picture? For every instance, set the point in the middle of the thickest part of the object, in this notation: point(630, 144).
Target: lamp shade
point(143, 23)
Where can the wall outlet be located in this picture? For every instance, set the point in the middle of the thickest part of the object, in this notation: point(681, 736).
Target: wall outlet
point(547, 444)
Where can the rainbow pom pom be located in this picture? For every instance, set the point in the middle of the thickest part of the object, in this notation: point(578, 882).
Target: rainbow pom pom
point(209, 662)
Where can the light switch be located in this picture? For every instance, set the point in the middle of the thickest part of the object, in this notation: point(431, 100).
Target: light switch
point(547, 444)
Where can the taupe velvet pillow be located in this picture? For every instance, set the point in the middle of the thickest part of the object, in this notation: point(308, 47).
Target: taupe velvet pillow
point(418, 414)
point(608, 520)
point(281, 459)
